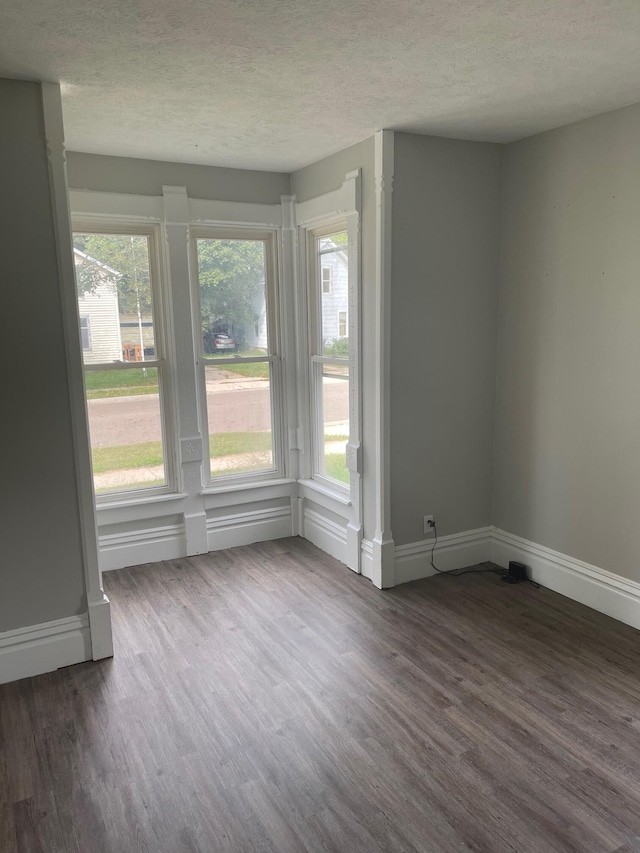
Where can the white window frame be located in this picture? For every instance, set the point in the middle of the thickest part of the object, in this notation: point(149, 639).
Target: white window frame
point(269, 237)
point(84, 318)
point(323, 501)
point(121, 225)
point(343, 322)
point(317, 360)
point(327, 286)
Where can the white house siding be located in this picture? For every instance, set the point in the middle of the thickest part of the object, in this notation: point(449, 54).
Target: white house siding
point(100, 307)
point(338, 299)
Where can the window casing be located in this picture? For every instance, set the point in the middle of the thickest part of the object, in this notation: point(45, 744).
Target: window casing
point(122, 319)
point(329, 355)
point(238, 354)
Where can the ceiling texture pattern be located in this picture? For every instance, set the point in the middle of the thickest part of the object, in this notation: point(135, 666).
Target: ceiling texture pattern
point(277, 84)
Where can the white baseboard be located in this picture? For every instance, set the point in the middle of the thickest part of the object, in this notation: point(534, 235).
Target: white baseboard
point(456, 551)
point(245, 528)
point(326, 534)
point(147, 545)
point(597, 588)
point(42, 648)
point(366, 558)
point(100, 627)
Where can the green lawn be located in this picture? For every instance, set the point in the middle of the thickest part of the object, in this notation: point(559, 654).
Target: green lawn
point(147, 454)
point(128, 383)
point(335, 465)
point(258, 370)
point(120, 383)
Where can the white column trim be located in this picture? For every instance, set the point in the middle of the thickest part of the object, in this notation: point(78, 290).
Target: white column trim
point(383, 546)
point(176, 215)
point(343, 203)
point(97, 602)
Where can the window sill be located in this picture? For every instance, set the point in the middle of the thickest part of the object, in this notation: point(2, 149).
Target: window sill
point(336, 495)
point(241, 487)
point(138, 500)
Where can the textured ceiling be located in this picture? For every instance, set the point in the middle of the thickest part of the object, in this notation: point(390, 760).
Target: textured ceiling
point(277, 84)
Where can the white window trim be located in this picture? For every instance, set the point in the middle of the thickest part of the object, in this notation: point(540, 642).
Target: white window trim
point(123, 224)
point(345, 321)
point(326, 291)
point(338, 208)
point(84, 318)
point(317, 359)
point(269, 236)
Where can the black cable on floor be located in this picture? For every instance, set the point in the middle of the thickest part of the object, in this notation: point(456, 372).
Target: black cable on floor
point(456, 573)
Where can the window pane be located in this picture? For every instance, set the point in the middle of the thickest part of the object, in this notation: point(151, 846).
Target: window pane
point(239, 416)
point(114, 297)
point(233, 306)
point(335, 422)
point(125, 429)
point(333, 263)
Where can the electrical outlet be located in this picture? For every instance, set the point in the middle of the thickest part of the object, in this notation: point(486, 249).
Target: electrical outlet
point(429, 524)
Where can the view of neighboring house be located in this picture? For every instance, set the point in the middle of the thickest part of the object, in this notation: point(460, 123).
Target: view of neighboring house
point(334, 292)
point(99, 315)
point(108, 335)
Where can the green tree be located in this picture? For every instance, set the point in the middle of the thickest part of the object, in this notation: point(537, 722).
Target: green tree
point(127, 255)
point(231, 275)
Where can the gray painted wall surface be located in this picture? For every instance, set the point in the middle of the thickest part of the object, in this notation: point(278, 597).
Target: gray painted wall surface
point(315, 180)
point(146, 177)
point(446, 220)
point(567, 466)
point(41, 570)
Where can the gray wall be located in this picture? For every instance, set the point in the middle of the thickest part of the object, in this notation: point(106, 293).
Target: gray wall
point(446, 223)
point(146, 177)
point(567, 466)
point(314, 180)
point(41, 569)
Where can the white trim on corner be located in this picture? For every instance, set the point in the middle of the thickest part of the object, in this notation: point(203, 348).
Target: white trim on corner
point(36, 649)
point(456, 551)
point(383, 544)
point(597, 588)
point(99, 628)
point(366, 558)
point(326, 534)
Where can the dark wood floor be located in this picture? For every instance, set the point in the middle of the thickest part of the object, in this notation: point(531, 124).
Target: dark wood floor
point(267, 699)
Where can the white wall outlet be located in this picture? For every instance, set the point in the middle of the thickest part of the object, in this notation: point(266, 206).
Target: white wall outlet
point(429, 522)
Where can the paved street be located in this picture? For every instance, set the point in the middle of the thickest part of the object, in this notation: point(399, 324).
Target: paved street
point(234, 405)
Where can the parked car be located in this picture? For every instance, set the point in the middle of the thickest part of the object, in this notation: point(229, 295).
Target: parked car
point(224, 343)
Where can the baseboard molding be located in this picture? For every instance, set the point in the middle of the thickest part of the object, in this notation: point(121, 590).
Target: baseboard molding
point(597, 588)
point(147, 545)
point(366, 558)
point(37, 649)
point(245, 528)
point(326, 534)
point(456, 551)
point(100, 628)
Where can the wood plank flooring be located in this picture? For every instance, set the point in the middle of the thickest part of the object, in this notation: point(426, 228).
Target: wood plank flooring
point(267, 699)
